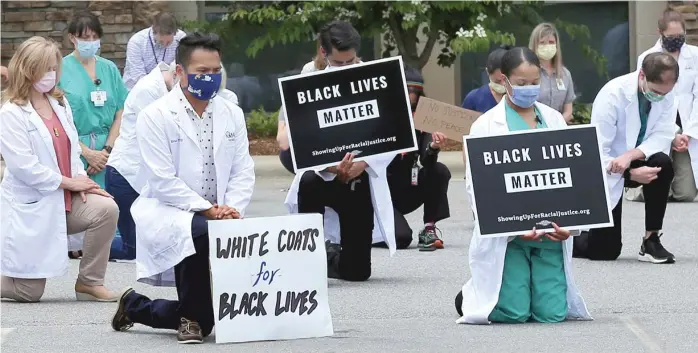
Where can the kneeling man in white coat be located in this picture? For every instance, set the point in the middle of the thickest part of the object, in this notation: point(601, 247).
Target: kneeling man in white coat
point(197, 167)
point(635, 115)
point(357, 191)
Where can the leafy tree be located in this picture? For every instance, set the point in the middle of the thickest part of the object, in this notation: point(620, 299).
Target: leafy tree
point(458, 26)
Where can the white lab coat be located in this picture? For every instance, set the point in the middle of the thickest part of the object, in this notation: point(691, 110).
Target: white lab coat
point(486, 255)
point(125, 157)
point(616, 113)
point(384, 223)
point(229, 95)
point(685, 96)
point(171, 166)
point(32, 206)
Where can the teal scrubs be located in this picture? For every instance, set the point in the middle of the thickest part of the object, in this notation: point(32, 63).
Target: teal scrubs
point(92, 122)
point(534, 286)
point(644, 106)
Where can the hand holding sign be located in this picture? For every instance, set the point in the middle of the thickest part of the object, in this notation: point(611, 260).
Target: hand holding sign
point(438, 140)
point(559, 234)
point(532, 235)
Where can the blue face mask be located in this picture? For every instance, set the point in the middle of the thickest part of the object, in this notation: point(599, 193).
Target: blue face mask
point(87, 49)
point(524, 96)
point(203, 86)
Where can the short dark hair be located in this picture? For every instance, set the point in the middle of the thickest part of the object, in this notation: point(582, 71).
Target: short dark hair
point(83, 21)
point(669, 16)
point(339, 35)
point(165, 23)
point(656, 64)
point(514, 57)
point(193, 41)
point(494, 60)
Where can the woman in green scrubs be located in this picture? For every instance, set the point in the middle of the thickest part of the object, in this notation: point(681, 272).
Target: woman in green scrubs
point(96, 94)
point(534, 283)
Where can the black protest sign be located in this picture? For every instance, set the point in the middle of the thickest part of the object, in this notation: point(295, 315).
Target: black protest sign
point(531, 178)
point(362, 108)
point(269, 278)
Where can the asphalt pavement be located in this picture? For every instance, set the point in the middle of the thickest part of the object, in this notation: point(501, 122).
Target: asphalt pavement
point(407, 305)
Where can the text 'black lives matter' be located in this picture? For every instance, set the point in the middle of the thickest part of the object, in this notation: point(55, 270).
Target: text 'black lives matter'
point(522, 180)
point(333, 112)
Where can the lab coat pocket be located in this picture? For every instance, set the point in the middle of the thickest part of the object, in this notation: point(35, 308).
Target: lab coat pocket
point(156, 225)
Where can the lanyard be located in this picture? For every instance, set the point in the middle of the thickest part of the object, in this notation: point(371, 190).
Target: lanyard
point(153, 48)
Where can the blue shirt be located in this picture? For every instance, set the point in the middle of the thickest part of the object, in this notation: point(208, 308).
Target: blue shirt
point(479, 100)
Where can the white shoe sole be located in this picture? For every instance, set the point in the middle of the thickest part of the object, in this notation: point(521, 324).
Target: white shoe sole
point(190, 341)
point(649, 258)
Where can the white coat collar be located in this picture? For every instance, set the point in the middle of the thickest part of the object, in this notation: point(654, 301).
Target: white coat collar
point(683, 52)
point(62, 112)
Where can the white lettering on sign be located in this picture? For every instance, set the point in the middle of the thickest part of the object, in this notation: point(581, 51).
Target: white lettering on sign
point(536, 180)
point(349, 113)
point(567, 150)
point(318, 94)
point(503, 157)
point(368, 85)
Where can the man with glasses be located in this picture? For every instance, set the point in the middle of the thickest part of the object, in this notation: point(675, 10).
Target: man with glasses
point(635, 116)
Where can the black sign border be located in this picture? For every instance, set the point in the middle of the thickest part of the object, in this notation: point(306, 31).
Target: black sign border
point(604, 175)
point(347, 67)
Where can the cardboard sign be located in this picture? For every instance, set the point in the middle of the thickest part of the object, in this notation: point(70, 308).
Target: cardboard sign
point(534, 177)
point(433, 116)
point(269, 278)
point(362, 108)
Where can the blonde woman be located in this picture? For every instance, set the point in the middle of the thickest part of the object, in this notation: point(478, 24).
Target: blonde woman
point(556, 85)
point(46, 193)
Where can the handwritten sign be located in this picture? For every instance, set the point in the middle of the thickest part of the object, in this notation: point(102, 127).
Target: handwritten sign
point(269, 278)
point(454, 122)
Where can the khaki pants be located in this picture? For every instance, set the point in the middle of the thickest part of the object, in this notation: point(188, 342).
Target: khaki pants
point(683, 187)
point(97, 218)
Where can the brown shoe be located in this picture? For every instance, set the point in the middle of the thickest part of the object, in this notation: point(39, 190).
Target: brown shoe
point(189, 332)
point(120, 321)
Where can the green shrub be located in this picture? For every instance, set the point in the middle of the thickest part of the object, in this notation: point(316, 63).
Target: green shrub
point(261, 123)
point(581, 113)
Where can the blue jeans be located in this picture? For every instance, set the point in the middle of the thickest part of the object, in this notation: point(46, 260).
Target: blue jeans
point(123, 247)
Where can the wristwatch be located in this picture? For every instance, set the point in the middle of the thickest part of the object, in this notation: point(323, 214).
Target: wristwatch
point(108, 148)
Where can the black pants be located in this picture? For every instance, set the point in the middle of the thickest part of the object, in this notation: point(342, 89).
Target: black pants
point(606, 243)
point(193, 280)
point(431, 191)
point(353, 205)
point(286, 160)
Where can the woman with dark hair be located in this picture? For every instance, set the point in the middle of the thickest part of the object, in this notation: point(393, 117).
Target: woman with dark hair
point(487, 96)
point(96, 94)
point(526, 277)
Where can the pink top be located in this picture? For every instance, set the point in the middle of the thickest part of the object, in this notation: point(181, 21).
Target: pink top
point(61, 144)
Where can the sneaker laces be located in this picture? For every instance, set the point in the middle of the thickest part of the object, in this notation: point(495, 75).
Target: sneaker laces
point(190, 326)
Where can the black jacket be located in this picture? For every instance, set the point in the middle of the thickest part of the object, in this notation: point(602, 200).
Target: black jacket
point(401, 166)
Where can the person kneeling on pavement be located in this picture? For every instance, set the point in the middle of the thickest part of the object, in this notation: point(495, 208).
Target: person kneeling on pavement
point(411, 186)
point(197, 167)
point(357, 191)
point(635, 115)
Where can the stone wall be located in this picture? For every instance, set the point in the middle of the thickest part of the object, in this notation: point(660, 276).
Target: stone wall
point(119, 19)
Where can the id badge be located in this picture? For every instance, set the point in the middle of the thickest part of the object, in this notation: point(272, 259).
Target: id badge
point(560, 84)
point(98, 97)
point(415, 175)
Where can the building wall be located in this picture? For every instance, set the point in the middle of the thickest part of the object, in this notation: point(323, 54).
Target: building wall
point(120, 19)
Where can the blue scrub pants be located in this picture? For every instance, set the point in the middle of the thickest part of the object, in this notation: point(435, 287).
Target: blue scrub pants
point(122, 247)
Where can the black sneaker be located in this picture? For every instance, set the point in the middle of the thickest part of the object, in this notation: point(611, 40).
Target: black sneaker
point(428, 240)
point(189, 332)
point(653, 251)
point(332, 259)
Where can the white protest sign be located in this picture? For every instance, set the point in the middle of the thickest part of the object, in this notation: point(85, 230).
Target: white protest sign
point(269, 278)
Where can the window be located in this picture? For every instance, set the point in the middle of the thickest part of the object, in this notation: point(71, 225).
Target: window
point(255, 80)
point(609, 30)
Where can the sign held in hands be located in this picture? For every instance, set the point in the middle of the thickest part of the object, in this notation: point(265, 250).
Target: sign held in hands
point(269, 278)
point(453, 121)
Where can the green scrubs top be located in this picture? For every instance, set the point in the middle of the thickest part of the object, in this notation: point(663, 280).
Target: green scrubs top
point(534, 286)
point(92, 122)
point(644, 105)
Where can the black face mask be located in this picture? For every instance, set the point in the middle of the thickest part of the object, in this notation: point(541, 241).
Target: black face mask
point(674, 43)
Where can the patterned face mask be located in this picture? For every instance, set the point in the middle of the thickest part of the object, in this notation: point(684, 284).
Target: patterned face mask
point(672, 44)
